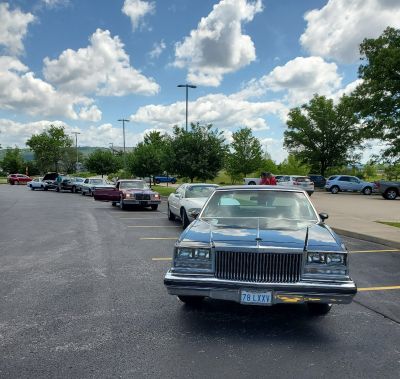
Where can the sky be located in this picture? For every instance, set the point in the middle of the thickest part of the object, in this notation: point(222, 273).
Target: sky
point(85, 64)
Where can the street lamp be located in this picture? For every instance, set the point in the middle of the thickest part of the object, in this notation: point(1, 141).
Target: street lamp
point(187, 86)
point(123, 120)
point(76, 146)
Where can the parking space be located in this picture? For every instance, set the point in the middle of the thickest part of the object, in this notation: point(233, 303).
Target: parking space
point(82, 294)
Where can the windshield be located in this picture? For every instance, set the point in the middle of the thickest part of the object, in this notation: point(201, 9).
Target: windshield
point(267, 209)
point(199, 191)
point(97, 181)
point(134, 184)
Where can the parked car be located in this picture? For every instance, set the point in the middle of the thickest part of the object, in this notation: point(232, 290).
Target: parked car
point(188, 198)
point(90, 185)
point(255, 181)
point(389, 190)
point(129, 192)
point(338, 183)
point(164, 179)
point(261, 246)
point(76, 184)
point(318, 180)
point(36, 183)
point(18, 179)
point(297, 181)
point(50, 180)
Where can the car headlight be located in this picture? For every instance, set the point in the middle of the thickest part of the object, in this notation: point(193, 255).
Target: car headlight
point(197, 258)
point(128, 195)
point(156, 196)
point(326, 263)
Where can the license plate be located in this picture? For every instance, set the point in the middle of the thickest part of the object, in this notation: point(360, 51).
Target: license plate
point(252, 297)
point(143, 203)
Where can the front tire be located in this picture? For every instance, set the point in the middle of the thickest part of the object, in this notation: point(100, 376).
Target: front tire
point(191, 300)
point(367, 191)
point(390, 194)
point(32, 188)
point(335, 189)
point(319, 309)
point(73, 189)
point(154, 207)
point(171, 216)
point(121, 204)
point(184, 218)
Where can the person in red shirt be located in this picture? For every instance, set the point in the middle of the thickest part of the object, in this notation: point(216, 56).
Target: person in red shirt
point(271, 179)
point(264, 178)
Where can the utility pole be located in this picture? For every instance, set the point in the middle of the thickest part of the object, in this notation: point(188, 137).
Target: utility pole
point(76, 146)
point(123, 120)
point(187, 86)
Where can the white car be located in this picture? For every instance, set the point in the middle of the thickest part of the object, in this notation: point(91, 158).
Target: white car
point(188, 198)
point(91, 184)
point(296, 181)
point(36, 184)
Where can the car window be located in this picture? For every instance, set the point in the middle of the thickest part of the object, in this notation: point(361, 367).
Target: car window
point(96, 181)
point(332, 177)
point(181, 190)
point(355, 180)
point(86, 181)
point(199, 191)
point(139, 184)
point(344, 179)
point(301, 179)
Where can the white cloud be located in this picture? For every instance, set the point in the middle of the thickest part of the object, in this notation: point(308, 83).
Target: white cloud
point(337, 29)
point(300, 78)
point(158, 48)
point(275, 148)
point(13, 28)
point(92, 113)
point(136, 10)
point(21, 91)
point(218, 46)
point(103, 68)
point(55, 3)
point(220, 110)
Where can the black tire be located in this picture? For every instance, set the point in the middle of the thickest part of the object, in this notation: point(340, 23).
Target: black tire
point(58, 189)
point(121, 204)
point(90, 193)
point(157, 181)
point(191, 300)
point(16, 182)
point(367, 191)
point(83, 193)
point(12, 182)
point(252, 183)
point(390, 194)
point(334, 190)
point(171, 216)
point(45, 189)
point(113, 203)
point(154, 207)
point(173, 181)
point(319, 309)
point(32, 188)
point(184, 218)
point(73, 189)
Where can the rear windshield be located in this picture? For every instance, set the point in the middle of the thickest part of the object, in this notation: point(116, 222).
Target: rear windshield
point(332, 177)
point(302, 179)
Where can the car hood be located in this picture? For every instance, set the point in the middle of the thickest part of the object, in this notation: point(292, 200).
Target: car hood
point(196, 202)
point(314, 236)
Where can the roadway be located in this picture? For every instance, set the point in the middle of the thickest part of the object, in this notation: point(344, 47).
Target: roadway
point(82, 295)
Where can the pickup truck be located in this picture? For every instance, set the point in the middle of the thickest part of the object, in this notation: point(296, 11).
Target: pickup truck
point(389, 190)
point(164, 179)
point(129, 192)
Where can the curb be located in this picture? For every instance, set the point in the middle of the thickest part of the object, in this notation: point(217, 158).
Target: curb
point(367, 237)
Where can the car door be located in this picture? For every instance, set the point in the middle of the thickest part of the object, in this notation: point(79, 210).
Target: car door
point(344, 183)
point(355, 184)
point(175, 200)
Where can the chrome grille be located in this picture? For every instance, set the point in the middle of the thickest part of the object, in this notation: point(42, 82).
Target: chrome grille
point(258, 267)
point(142, 196)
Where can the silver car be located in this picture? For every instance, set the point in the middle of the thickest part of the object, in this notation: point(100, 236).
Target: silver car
point(338, 183)
point(91, 184)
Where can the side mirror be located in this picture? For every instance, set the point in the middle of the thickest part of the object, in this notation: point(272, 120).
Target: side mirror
point(194, 213)
point(323, 216)
point(178, 195)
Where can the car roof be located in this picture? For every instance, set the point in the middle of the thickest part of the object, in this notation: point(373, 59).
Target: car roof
point(260, 187)
point(131, 180)
point(200, 184)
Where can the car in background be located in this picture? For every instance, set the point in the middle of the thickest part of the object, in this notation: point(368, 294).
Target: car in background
point(90, 185)
point(164, 179)
point(50, 180)
point(318, 180)
point(76, 184)
point(297, 181)
point(129, 192)
point(388, 189)
point(18, 179)
point(262, 246)
point(36, 183)
point(347, 183)
point(188, 198)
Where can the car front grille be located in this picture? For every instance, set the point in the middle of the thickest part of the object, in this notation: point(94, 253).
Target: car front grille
point(258, 267)
point(142, 196)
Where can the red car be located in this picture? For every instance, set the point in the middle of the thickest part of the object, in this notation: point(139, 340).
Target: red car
point(18, 179)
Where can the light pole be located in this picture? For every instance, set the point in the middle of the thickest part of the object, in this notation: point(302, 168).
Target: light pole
point(123, 120)
point(187, 86)
point(76, 146)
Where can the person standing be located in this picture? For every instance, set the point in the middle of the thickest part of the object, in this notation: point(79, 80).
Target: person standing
point(264, 178)
point(271, 179)
point(58, 181)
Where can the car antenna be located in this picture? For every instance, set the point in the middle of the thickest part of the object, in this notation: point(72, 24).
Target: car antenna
point(306, 240)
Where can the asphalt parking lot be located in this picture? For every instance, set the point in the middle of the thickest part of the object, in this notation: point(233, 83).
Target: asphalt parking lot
point(82, 295)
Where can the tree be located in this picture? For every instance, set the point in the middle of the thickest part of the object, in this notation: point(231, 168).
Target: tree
point(377, 98)
point(198, 153)
point(13, 161)
point(102, 162)
point(322, 134)
point(49, 147)
point(68, 159)
point(245, 155)
point(292, 166)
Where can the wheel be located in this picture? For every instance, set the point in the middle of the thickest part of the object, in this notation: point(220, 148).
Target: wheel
point(12, 182)
point(252, 183)
point(335, 189)
point(16, 182)
point(367, 191)
point(390, 194)
point(319, 309)
point(45, 189)
point(83, 193)
point(154, 207)
point(184, 218)
point(58, 189)
point(171, 216)
point(173, 181)
point(73, 189)
point(157, 181)
point(32, 188)
point(310, 193)
point(121, 204)
point(191, 300)
point(90, 193)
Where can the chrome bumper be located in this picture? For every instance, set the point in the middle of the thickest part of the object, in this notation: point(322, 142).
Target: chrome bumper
point(301, 292)
point(141, 202)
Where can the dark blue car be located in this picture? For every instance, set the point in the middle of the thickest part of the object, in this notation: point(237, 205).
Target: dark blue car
point(261, 245)
point(164, 179)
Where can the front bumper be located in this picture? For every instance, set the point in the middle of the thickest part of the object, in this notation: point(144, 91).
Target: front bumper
point(301, 292)
point(141, 202)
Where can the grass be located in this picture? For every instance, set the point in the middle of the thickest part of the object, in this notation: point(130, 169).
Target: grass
point(163, 191)
point(390, 223)
point(3, 180)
